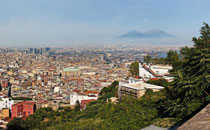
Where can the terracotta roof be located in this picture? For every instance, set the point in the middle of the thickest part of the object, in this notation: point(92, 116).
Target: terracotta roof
point(85, 102)
point(152, 72)
point(92, 92)
point(25, 102)
point(77, 91)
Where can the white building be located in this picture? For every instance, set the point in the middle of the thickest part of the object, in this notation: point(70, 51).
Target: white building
point(3, 124)
point(154, 71)
point(74, 97)
point(137, 89)
point(134, 80)
point(56, 89)
point(6, 103)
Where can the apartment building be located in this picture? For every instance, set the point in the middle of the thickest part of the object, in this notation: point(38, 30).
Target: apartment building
point(23, 109)
point(136, 89)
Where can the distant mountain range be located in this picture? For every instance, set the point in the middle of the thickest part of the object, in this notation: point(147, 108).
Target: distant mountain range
point(149, 34)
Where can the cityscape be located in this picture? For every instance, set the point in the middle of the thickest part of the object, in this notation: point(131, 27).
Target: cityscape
point(58, 77)
point(104, 65)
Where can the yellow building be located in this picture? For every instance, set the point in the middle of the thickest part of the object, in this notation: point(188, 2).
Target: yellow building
point(10, 73)
point(4, 113)
point(71, 72)
point(33, 83)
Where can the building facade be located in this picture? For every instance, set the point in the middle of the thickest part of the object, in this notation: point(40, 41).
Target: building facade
point(71, 72)
point(4, 113)
point(136, 90)
point(23, 109)
point(147, 71)
point(75, 96)
point(6, 103)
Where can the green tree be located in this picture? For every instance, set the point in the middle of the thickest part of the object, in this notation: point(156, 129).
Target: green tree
point(108, 92)
point(77, 106)
point(111, 88)
point(159, 60)
point(160, 82)
point(191, 86)
point(147, 59)
point(16, 124)
point(134, 69)
point(172, 57)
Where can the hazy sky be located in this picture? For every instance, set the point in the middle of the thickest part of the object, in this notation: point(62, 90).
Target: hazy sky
point(71, 21)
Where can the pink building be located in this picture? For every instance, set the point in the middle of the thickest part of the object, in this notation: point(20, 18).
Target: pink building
point(23, 109)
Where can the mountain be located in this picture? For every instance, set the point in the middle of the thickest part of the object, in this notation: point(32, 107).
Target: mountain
point(132, 34)
point(150, 34)
point(157, 34)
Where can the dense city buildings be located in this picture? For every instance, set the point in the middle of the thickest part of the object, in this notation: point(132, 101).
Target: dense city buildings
point(54, 77)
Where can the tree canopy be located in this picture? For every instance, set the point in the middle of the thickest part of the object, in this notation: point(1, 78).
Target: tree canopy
point(172, 58)
point(191, 86)
point(134, 69)
point(148, 59)
point(160, 82)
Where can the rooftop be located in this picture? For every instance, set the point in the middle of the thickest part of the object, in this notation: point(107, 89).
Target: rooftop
point(141, 86)
point(25, 102)
point(91, 92)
